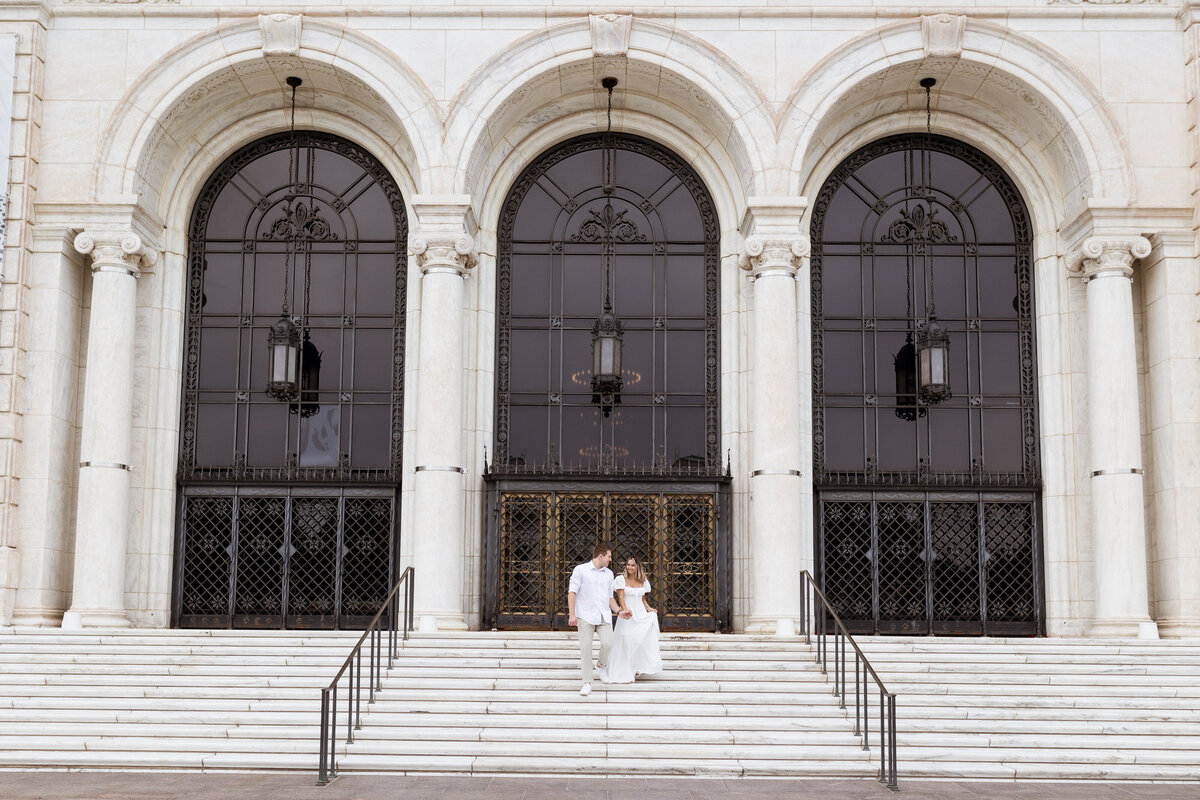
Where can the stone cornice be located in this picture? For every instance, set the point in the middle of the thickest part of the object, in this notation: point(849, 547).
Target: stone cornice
point(438, 253)
point(123, 250)
point(1107, 256)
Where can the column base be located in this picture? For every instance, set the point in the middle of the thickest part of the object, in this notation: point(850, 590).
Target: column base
point(1123, 629)
point(37, 617)
point(74, 619)
point(1179, 628)
point(782, 627)
point(432, 622)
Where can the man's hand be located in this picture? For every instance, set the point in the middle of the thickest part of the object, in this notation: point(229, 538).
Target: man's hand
point(571, 621)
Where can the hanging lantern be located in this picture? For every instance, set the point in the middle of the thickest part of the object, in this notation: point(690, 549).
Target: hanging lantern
point(283, 346)
point(905, 364)
point(606, 360)
point(933, 362)
point(310, 379)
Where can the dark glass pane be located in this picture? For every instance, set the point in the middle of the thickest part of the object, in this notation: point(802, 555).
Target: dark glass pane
point(320, 438)
point(232, 208)
point(1001, 367)
point(633, 435)
point(222, 283)
point(575, 173)
point(1002, 440)
point(637, 361)
point(268, 283)
point(372, 215)
point(583, 285)
point(685, 436)
point(266, 437)
point(844, 439)
point(633, 286)
point(881, 175)
point(530, 285)
point(527, 433)
point(536, 218)
point(328, 342)
point(581, 432)
point(685, 286)
point(949, 286)
point(680, 218)
point(949, 440)
point(897, 442)
point(992, 218)
point(529, 368)
point(371, 435)
point(372, 360)
point(841, 286)
point(218, 358)
point(844, 219)
point(576, 361)
point(997, 287)
point(375, 284)
point(685, 368)
point(639, 173)
point(952, 175)
point(843, 363)
point(326, 292)
point(214, 434)
point(897, 281)
point(268, 172)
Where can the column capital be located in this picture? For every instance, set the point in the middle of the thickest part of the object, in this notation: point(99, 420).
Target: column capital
point(119, 250)
point(768, 254)
point(444, 253)
point(1107, 256)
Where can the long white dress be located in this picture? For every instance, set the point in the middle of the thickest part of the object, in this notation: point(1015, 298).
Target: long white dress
point(635, 640)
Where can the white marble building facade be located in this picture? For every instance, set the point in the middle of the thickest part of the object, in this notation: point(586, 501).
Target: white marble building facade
point(122, 109)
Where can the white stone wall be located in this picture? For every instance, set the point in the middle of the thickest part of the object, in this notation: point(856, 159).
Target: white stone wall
point(1090, 106)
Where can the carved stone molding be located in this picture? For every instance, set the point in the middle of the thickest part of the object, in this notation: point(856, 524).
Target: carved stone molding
point(444, 253)
point(610, 33)
point(122, 250)
point(761, 255)
point(280, 33)
point(1107, 256)
point(1106, 2)
point(942, 35)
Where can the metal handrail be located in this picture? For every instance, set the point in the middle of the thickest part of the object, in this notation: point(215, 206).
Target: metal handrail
point(329, 695)
point(816, 625)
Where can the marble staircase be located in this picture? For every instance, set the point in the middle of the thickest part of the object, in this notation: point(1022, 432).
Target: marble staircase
point(508, 703)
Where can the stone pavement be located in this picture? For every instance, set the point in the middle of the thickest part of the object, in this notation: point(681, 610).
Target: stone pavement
point(247, 786)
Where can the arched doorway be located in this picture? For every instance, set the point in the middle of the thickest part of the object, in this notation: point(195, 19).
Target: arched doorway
point(288, 502)
point(634, 232)
point(927, 493)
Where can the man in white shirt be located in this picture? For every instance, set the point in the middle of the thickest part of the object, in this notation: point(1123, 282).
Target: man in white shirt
point(590, 606)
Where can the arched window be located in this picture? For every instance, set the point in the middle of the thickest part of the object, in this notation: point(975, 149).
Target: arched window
point(927, 492)
point(288, 511)
point(607, 241)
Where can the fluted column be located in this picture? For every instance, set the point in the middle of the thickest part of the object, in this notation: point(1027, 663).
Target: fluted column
point(780, 542)
point(444, 260)
point(102, 518)
point(1114, 434)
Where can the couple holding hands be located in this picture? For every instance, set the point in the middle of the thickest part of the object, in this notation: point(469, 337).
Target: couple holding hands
point(593, 596)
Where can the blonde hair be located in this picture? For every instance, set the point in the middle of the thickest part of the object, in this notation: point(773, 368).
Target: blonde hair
point(640, 574)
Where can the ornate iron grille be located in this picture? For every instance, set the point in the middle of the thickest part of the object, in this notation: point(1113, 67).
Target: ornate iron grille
point(271, 558)
point(255, 546)
point(541, 535)
point(926, 562)
point(664, 238)
point(889, 218)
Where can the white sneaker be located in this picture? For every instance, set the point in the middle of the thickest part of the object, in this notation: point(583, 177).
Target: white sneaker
point(585, 690)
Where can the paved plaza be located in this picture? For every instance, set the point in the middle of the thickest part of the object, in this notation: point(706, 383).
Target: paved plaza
point(197, 786)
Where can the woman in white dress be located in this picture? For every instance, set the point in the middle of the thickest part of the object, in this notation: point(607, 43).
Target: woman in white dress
point(635, 640)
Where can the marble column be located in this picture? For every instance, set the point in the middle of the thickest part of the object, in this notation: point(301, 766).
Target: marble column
point(780, 540)
point(1114, 436)
point(102, 518)
point(439, 475)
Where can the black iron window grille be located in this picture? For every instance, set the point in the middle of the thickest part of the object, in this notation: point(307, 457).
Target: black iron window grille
point(926, 511)
point(288, 508)
point(660, 228)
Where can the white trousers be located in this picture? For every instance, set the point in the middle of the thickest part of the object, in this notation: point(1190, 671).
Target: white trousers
point(586, 629)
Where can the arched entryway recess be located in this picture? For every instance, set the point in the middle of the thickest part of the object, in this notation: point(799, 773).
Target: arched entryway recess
point(288, 512)
point(927, 494)
point(607, 224)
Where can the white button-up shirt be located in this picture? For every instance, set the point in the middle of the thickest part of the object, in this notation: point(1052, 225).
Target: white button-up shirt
point(593, 588)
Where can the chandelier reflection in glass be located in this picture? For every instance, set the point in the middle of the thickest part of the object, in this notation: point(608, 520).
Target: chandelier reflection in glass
point(294, 363)
point(608, 332)
point(922, 369)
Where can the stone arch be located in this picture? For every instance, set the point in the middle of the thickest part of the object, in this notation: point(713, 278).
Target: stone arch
point(1013, 97)
point(220, 90)
point(673, 88)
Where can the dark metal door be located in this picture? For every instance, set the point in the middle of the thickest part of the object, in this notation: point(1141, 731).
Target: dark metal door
point(539, 534)
point(950, 563)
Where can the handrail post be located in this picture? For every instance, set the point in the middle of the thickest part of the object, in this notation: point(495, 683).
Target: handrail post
point(333, 732)
point(893, 782)
point(322, 775)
